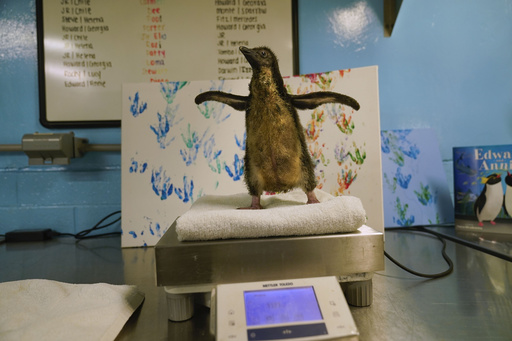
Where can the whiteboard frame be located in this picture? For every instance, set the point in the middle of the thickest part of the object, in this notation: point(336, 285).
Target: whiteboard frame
point(79, 119)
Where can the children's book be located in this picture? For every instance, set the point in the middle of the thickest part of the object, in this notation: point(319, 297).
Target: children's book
point(483, 188)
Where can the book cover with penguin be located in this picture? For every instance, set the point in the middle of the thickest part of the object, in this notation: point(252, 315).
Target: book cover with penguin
point(483, 188)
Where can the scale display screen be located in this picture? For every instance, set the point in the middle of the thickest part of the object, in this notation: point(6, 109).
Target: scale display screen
point(275, 306)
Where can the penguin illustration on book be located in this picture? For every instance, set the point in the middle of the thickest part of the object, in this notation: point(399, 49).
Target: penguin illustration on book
point(507, 198)
point(276, 155)
point(489, 202)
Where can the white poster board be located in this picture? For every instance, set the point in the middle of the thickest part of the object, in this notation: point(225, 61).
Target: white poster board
point(89, 48)
point(174, 151)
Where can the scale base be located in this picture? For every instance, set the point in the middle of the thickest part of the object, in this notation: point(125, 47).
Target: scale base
point(194, 268)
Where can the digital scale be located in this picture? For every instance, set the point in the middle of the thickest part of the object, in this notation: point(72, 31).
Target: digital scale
point(228, 275)
point(298, 309)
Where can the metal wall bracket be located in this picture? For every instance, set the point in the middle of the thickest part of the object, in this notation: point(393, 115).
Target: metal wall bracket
point(51, 149)
point(391, 9)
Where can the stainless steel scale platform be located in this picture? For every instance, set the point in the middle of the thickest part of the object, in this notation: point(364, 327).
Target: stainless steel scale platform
point(190, 270)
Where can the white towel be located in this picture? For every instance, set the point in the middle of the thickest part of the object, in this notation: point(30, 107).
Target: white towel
point(39, 309)
point(216, 217)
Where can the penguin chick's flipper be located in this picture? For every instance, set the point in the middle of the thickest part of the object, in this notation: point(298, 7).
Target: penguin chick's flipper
point(234, 101)
point(314, 99)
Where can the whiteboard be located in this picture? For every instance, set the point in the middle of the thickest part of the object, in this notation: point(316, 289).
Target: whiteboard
point(89, 48)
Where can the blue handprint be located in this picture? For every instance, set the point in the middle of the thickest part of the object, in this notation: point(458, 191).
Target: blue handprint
point(185, 194)
point(170, 89)
point(161, 131)
point(241, 142)
point(192, 143)
point(134, 167)
point(238, 168)
point(137, 108)
point(211, 155)
point(161, 183)
point(402, 180)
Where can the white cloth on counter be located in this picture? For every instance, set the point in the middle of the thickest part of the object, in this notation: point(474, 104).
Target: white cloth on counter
point(38, 309)
point(217, 217)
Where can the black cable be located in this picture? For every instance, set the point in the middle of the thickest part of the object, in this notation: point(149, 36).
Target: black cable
point(84, 234)
point(443, 252)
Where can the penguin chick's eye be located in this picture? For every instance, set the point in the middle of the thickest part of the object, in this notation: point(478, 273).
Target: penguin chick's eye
point(263, 53)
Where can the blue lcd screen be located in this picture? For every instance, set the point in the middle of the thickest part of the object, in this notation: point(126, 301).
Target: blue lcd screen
point(264, 307)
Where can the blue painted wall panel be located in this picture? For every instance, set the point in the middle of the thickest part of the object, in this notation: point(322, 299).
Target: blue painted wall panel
point(447, 66)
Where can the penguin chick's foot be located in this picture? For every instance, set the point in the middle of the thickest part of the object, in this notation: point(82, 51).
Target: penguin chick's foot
point(312, 198)
point(255, 204)
point(480, 224)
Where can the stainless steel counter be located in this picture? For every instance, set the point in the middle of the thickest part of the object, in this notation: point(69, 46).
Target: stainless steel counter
point(473, 303)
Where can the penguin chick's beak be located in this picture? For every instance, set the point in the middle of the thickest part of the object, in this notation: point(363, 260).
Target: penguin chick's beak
point(250, 55)
point(244, 49)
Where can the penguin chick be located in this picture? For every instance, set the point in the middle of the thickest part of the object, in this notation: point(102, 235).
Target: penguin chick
point(276, 156)
point(489, 202)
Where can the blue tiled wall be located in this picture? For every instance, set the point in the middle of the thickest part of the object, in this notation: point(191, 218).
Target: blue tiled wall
point(63, 199)
point(67, 199)
point(447, 66)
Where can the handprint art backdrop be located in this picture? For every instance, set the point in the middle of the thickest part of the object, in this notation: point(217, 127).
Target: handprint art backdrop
point(174, 151)
point(416, 191)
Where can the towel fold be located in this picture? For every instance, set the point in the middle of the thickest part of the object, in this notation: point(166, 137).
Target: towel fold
point(216, 217)
point(38, 309)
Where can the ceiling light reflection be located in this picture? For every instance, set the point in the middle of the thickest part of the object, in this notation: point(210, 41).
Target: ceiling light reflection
point(351, 24)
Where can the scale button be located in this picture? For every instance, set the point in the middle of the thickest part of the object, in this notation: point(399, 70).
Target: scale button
point(336, 314)
point(231, 312)
point(231, 323)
